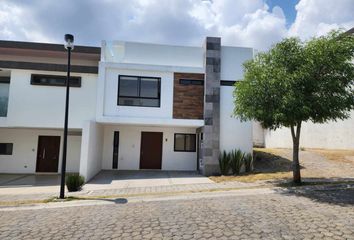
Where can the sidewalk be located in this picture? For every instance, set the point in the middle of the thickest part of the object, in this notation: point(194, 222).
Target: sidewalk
point(89, 192)
point(12, 199)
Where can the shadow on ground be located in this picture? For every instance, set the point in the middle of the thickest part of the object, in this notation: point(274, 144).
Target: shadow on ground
point(337, 195)
point(265, 162)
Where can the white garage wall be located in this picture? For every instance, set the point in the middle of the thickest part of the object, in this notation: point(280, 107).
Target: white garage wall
point(25, 143)
point(233, 133)
point(91, 152)
point(129, 148)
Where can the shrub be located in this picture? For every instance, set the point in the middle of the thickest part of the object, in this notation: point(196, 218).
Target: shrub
point(236, 161)
point(224, 163)
point(248, 159)
point(74, 182)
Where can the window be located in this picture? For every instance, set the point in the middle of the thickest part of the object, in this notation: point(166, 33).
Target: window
point(4, 95)
point(6, 148)
point(52, 80)
point(139, 91)
point(191, 82)
point(185, 142)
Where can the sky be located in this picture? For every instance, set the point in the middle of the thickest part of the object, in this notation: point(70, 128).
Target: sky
point(248, 23)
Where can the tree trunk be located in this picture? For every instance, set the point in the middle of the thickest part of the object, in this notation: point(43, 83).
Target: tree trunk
point(296, 145)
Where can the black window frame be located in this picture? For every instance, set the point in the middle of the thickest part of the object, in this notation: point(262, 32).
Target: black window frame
point(185, 134)
point(77, 85)
point(196, 82)
point(11, 149)
point(139, 90)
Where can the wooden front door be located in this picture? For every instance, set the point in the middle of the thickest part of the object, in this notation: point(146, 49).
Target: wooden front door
point(48, 154)
point(151, 150)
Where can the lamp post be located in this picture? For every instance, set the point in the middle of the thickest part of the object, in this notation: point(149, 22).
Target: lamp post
point(69, 45)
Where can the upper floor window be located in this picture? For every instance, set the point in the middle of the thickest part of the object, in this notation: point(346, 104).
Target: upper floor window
point(191, 82)
point(4, 95)
point(139, 91)
point(54, 80)
point(6, 148)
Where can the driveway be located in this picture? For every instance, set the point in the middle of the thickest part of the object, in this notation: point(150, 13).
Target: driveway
point(144, 178)
point(21, 184)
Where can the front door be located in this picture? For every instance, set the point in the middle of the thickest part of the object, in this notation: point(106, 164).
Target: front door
point(48, 154)
point(151, 150)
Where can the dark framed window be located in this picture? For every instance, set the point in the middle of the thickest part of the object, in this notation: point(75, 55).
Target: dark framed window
point(6, 148)
point(228, 83)
point(185, 142)
point(191, 82)
point(54, 80)
point(139, 91)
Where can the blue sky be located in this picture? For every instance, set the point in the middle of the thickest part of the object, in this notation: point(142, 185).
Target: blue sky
point(288, 7)
point(249, 23)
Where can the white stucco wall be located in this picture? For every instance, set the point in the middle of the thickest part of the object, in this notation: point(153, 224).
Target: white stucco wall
point(35, 106)
point(232, 59)
point(154, 54)
point(129, 148)
point(233, 133)
point(25, 143)
point(91, 151)
point(332, 135)
point(258, 134)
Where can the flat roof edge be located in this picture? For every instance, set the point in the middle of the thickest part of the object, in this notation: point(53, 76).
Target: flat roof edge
point(47, 47)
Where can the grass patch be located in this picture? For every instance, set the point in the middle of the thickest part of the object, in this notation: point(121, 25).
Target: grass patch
point(313, 183)
point(253, 177)
point(345, 156)
point(24, 202)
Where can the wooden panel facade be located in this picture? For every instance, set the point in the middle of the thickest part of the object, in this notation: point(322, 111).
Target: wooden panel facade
point(188, 96)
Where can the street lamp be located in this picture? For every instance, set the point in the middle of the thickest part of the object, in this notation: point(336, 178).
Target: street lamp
point(69, 45)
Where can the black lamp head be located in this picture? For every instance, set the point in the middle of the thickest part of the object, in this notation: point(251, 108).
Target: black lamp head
point(69, 41)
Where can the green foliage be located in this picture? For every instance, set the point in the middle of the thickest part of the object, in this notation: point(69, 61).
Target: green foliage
point(298, 81)
point(248, 160)
point(224, 163)
point(74, 182)
point(236, 161)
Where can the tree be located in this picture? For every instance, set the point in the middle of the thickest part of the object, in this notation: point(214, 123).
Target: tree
point(296, 82)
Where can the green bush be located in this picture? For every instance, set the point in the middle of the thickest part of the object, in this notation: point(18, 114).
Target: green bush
point(248, 159)
point(236, 161)
point(74, 182)
point(224, 163)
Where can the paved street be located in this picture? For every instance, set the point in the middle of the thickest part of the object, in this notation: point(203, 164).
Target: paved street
point(257, 215)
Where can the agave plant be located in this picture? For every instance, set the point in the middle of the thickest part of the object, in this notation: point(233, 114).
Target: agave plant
point(248, 162)
point(236, 161)
point(224, 163)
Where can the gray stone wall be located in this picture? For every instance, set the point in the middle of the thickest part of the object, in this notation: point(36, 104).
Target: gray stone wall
point(211, 130)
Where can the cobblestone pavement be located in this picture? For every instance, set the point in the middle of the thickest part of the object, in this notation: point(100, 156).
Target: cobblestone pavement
point(305, 215)
point(128, 191)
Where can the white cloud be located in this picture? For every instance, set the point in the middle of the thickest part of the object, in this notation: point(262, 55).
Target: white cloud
point(317, 17)
point(239, 22)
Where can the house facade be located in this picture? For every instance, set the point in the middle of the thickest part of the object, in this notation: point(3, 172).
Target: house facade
point(132, 106)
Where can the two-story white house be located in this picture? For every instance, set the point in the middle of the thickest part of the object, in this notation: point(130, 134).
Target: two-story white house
point(132, 106)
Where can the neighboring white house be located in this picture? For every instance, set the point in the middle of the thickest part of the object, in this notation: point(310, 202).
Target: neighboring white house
point(132, 106)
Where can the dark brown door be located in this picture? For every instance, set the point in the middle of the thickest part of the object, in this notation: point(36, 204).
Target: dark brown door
point(48, 153)
point(151, 150)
